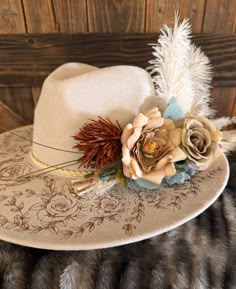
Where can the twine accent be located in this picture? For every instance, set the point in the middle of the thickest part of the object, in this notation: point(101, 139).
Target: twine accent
point(61, 171)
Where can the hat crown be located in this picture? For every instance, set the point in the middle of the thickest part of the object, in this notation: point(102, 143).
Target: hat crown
point(75, 93)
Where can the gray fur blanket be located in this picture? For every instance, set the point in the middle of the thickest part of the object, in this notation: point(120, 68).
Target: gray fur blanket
point(198, 255)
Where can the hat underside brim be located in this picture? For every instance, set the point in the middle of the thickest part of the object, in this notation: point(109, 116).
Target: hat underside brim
point(42, 212)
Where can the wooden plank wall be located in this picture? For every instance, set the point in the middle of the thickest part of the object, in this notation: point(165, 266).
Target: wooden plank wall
point(120, 16)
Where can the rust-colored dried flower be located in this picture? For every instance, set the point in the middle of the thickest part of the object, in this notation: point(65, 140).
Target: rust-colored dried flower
point(100, 143)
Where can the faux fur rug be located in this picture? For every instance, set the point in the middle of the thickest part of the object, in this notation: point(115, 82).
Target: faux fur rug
point(198, 255)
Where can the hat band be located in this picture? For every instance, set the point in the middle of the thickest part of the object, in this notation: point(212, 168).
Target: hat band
point(58, 170)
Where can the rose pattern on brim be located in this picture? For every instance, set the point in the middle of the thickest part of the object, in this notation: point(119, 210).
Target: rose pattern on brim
point(11, 170)
point(108, 206)
point(59, 208)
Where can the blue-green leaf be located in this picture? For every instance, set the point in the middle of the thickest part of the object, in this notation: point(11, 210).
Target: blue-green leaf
point(108, 174)
point(146, 184)
point(173, 110)
point(184, 173)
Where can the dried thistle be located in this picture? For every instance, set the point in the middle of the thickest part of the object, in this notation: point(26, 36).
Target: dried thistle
point(100, 143)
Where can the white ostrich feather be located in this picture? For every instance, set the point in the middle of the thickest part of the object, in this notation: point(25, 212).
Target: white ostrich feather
point(223, 122)
point(170, 76)
point(228, 141)
point(201, 73)
point(182, 70)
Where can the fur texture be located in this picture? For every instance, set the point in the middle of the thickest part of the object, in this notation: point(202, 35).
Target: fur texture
point(198, 255)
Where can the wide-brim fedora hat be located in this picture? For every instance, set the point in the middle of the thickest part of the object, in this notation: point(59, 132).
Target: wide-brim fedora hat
point(51, 199)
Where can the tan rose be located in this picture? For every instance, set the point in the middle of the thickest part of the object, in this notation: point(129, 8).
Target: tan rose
point(200, 141)
point(150, 146)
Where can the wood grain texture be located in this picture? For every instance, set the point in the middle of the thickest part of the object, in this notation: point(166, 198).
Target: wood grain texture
point(20, 101)
point(220, 16)
point(234, 112)
point(102, 16)
point(116, 15)
point(234, 107)
point(223, 100)
point(222, 53)
point(26, 60)
point(70, 16)
point(35, 94)
point(11, 17)
point(8, 118)
point(48, 16)
point(39, 16)
point(161, 12)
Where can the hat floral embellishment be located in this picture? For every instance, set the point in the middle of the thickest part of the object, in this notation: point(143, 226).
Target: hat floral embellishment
point(150, 147)
point(170, 142)
point(153, 150)
point(100, 142)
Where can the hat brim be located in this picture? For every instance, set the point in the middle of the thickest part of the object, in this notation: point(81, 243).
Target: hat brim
point(42, 212)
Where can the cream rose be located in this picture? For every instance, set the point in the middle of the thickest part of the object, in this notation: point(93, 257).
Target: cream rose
point(200, 141)
point(150, 146)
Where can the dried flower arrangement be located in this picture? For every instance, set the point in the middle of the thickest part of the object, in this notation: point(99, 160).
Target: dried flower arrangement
point(152, 148)
point(163, 145)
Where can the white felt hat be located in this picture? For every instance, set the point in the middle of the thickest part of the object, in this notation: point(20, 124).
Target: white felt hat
point(75, 93)
point(38, 206)
point(39, 210)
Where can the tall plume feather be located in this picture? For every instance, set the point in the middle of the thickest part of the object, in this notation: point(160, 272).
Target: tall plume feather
point(181, 69)
point(228, 141)
point(223, 122)
point(201, 75)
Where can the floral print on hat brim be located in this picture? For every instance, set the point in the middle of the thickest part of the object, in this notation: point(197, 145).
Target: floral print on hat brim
point(41, 210)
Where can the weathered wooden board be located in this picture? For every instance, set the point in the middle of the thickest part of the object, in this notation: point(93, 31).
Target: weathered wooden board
point(9, 119)
point(163, 12)
point(39, 16)
point(26, 60)
point(48, 16)
point(234, 106)
point(223, 100)
point(19, 100)
point(11, 17)
point(116, 15)
point(70, 16)
point(35, 94)
point(220, 16)
point(42, 16)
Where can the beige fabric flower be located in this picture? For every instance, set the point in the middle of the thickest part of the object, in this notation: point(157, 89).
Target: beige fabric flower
point(200, 141)
point(150, 146)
